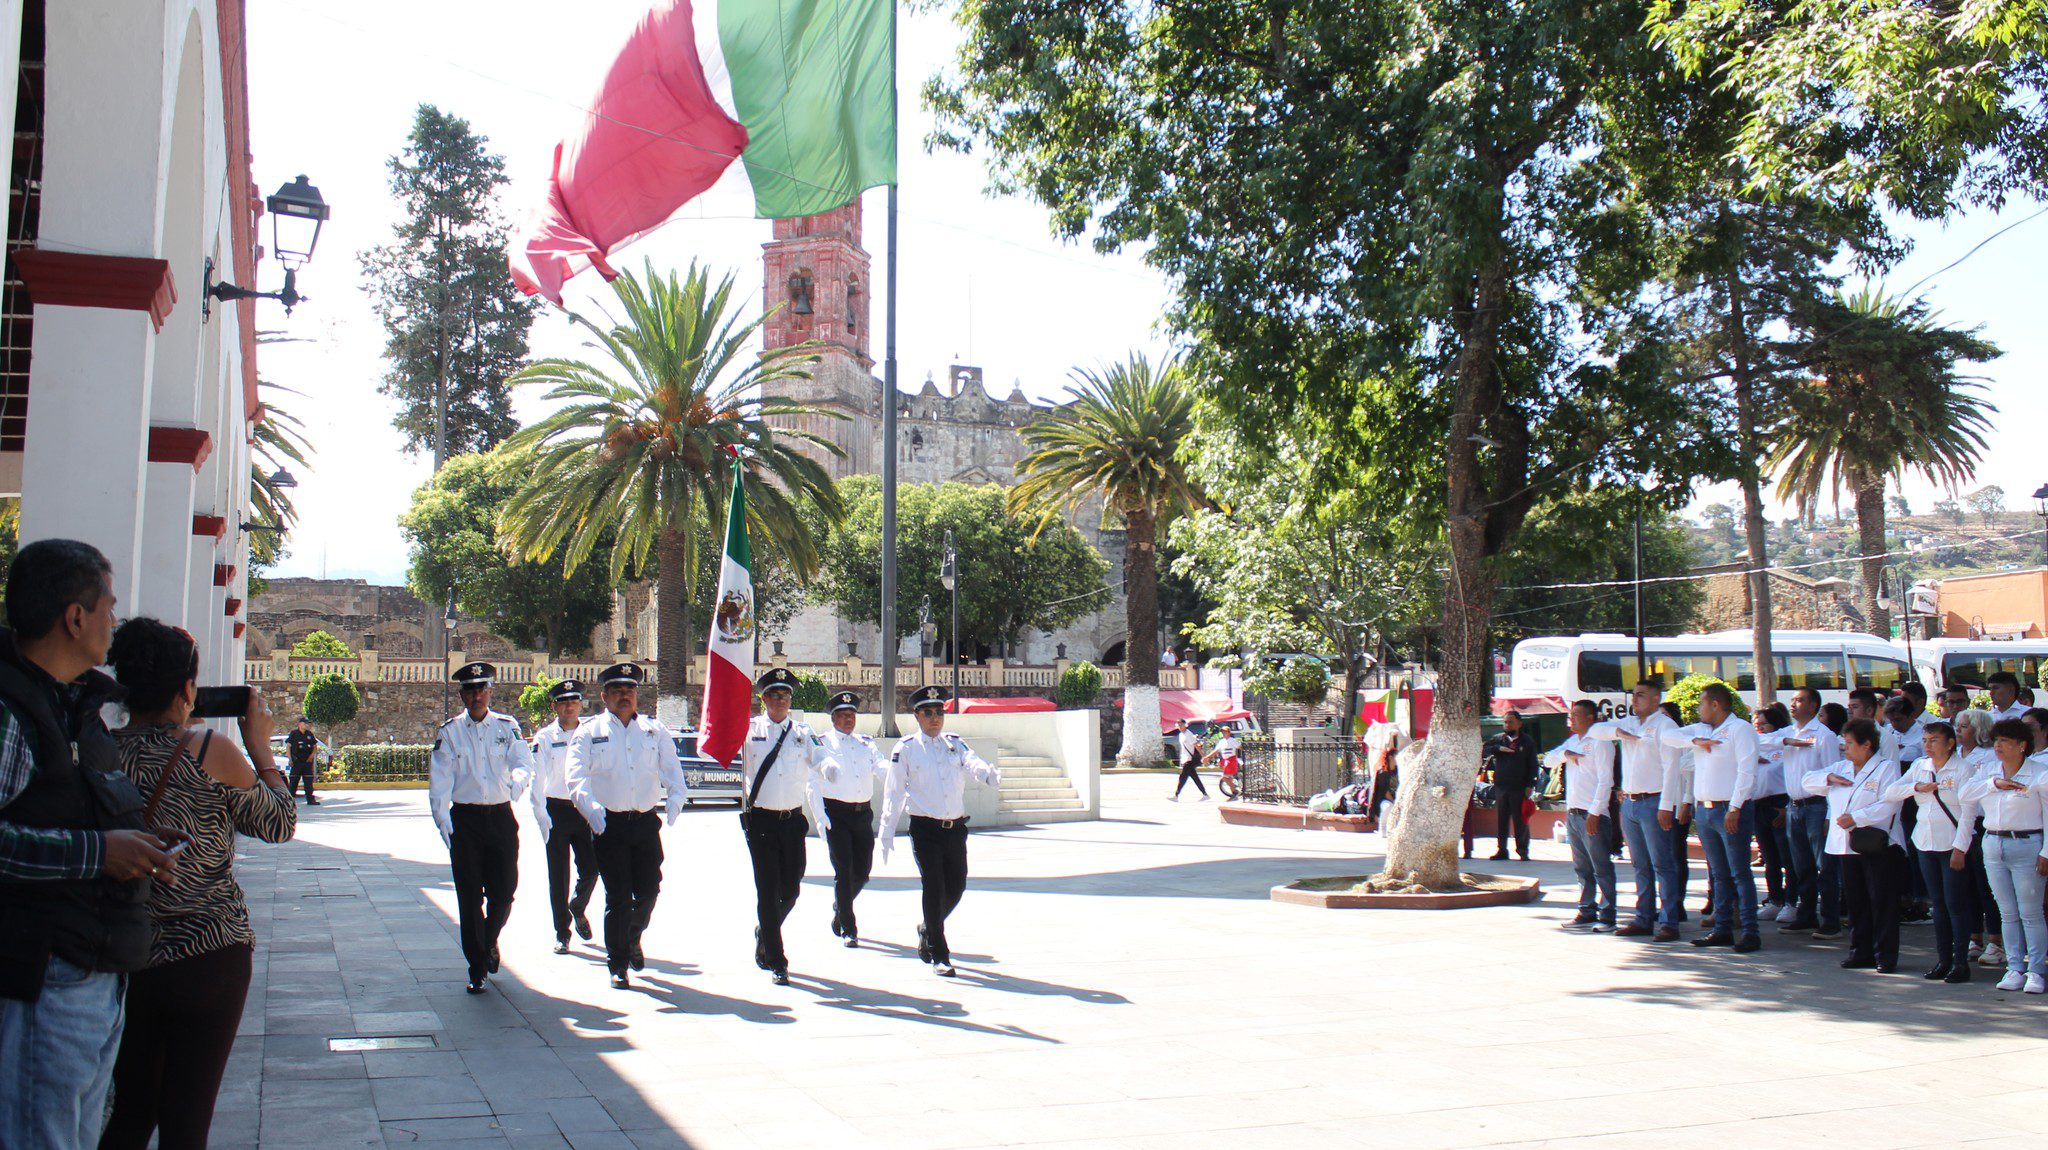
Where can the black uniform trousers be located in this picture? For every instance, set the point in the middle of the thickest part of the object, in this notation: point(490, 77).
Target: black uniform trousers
point(851, 843)
point(1507, 813)
point(629, 860)
point(775, 841)
point(1874, 884)
point(940, 851)
point(569, 836)
point(484, 852)
point(307, 771)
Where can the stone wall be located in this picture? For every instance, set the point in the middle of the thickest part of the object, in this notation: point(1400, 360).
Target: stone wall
point(1797, 603)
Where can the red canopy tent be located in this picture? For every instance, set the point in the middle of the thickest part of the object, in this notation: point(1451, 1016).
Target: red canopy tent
point(1196, 707)
point(1017, 706)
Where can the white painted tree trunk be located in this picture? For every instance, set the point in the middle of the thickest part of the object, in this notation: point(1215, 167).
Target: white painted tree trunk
point(1429, 810)
point(673, 710)
point(1142, 744)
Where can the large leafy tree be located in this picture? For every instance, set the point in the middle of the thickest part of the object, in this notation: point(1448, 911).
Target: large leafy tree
point(639, 451)
point(450, 313)
point(1588, 536)
point(1885, 399)
point(452, 527)
point(1010, 582)
point(1118, 440)
point(1374, 212)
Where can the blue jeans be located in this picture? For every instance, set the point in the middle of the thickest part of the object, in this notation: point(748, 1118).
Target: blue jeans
point(2009, 863)
point(1820, 895)
point(57, 1059)
point(1595, 868)
point(1649, 848)
point(1728, 865)
point(1953, 894)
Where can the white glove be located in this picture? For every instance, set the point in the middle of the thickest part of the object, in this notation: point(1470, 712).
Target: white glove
point(547, 825)
point(447, 837)
point(830, 771)
point(670, 815)
point(887, 842)
point(596, 821)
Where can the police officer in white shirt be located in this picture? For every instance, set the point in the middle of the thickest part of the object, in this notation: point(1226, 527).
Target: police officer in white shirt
point(1724, 779)
point(568, 835)
point(619, 764)
point(1646, 764)
point(1588, 766)
point(848, 765)
point(927, 777)
point(479, 765)
point(779, 764)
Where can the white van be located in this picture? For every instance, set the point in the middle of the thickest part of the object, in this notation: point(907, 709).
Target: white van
point(1602, 667)
point(1966, 662)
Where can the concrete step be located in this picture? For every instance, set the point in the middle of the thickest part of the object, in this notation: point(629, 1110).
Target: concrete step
point(1023, 795)
point(1049, 779)
point(1008, 761)
point(1032, 773)
point(1046, 814)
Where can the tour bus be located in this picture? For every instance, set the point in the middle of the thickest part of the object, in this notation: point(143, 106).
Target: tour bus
point(1966, 662)
point(1602, 667)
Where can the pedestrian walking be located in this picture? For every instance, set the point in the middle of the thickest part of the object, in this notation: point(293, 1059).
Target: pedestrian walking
point(1188, 748)
point(848, 766)
point(778, 764)
point(927, 779)
point(568, 835)
point(479, 765)
point(303, 748)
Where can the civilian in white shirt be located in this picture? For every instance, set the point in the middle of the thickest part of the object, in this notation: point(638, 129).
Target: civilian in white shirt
point(1773, 841)
point(848, 766)
point(568, 836)
point(1973, 743)
point(1934, 784)
point(1809, 746)
point(1674, 808)
point(1588, 766)
point(2013, 798)
point(1646, 764)
point(480, 764)
point(1901, 726)
point(2004, 687)
point(1187, 747)
point(1855, 789)
point(1723, 784)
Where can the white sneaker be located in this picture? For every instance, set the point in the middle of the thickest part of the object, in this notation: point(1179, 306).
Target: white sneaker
point(1994, 955)
point(2037, 984)
point(1976, 951)
point(1767, 910)
point(2013, 980)
point(1789, 914)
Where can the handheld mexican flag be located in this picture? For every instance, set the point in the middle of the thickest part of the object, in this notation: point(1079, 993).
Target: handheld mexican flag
point(729, 687)
point(803, 95)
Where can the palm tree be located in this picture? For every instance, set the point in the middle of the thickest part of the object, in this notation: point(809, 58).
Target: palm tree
point(279, 438)
point(1884, 399)
point(1118, 439)
point(642, 448)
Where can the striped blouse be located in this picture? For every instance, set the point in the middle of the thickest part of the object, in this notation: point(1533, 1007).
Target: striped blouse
point(203, 911)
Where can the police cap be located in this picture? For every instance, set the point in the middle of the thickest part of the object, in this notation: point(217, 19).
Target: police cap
point(845, 701)
point(776, 678)
point(475, 675)
point(928, 697)
point(629, 674)
point(566, 689)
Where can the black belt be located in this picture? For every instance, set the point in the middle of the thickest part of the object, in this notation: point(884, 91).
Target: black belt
point(629, 816)
point(848, 803)
point(1577, 811)
point(1809, 801)
point(480, 806)
point(1711, 804)
point(2014, 834)
point(775, 812)
point(942, 824)
point(1630, 795)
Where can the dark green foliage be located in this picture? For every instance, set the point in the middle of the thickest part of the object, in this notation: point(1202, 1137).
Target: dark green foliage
point(1079, 686)
point(330, 700)
point(378, 763)
point(811, 693)
point(1589, 537)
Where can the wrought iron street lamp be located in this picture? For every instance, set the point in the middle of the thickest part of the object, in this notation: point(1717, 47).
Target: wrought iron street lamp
point(2041, 509)
point(949, 578)
point(297, 213)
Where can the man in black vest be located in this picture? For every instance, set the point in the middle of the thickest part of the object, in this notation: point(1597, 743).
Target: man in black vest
point(75, 862)
point(1511, 758)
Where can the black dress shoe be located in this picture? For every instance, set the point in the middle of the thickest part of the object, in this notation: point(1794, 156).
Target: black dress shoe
point(1747, 943)
point(494, 958)
point(1715, 939)
point(1961, 973)
point(779, 976)
point(1854, 963)
point(1497, 856)
point(639, 960)
point(944, 969)
point(1885, 967)
point(837, 930)
point(1941, 970)
point(582, 922)
point(561, 946)
point(476, 986)
point(619, 981)
point(924, 948)
point(851, 942)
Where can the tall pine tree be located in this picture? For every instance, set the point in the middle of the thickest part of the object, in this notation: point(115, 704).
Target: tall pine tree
point(441, 289)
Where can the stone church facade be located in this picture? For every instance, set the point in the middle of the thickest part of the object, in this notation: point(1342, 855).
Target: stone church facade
point(817, 287)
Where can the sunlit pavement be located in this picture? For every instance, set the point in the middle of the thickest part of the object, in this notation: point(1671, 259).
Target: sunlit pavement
point(1122, 983)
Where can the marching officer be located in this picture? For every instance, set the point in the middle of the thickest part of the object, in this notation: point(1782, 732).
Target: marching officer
point(927, 776)
point(616, 765)
point(567, 834)
point(778, 762)
point(480, 763)
point(848, 766)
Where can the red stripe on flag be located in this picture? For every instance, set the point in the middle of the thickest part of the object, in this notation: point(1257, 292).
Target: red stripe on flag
point(728, 708)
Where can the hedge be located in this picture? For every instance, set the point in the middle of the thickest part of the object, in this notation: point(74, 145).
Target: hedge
point(379, 762)
point(1079, 686)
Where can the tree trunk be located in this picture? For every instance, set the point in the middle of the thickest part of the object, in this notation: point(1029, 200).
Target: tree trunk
point(1142, 745)
point(1869, 491)
point(1750, 444)
point(672, 640)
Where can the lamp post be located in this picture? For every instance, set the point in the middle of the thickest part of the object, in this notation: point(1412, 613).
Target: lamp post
point(926, 629)
point(1884, 603)
point(296, 214)
point(949, 578)
point(2041, 509)
point(447, 645)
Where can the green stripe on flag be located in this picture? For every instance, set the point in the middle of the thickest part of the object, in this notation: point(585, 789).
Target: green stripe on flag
point(737, 548)
point(812, 82)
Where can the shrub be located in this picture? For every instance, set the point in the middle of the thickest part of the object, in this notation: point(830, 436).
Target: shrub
point(534, 702)
point(330, 700)
point(1079, 686)
point(321, 645)
point(811, 693)
point(1301, 681)
point(378, 763)
point(1687, 695)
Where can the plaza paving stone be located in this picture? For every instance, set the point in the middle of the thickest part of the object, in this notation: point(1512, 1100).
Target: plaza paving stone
point(1123, 983)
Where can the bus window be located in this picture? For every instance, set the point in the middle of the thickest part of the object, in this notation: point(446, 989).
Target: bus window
point(1879, 672)
point(1679, 664)
point(1606, 672)
point(1972, 670)
point(1821, 672)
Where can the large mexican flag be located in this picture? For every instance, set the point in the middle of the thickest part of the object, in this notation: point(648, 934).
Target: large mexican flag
point(729, 686)
point(800, 92)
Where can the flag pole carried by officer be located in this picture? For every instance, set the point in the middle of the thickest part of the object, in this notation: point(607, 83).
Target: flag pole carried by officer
point(778, 764)
point(848, 766)
point(480, 764)
point(617, 765)
point(927, 777)
point(567, 833)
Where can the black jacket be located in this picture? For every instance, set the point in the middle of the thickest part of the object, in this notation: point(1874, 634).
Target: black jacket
point(1512, 759)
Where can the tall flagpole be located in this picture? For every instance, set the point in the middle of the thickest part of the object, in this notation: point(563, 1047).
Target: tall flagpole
point(888, 727)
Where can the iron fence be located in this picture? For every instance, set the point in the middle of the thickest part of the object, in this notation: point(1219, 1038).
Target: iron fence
point(1288, 773)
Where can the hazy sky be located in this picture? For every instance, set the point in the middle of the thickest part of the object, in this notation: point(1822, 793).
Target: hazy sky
point(333, 91)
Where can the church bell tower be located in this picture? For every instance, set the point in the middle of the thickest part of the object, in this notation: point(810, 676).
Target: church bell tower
point(816, 273)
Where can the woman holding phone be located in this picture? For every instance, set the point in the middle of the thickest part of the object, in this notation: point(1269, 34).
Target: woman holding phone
point(183, 1008)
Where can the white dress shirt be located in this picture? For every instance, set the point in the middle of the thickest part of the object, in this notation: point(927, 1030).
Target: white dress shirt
point(551, 761)
point(1935, 829)
point(849, 765)
point(792, 783)
point(616, 765)
point(1727, 773)
point(1770, 765)
point(1908, 746)
point(1588, 766)
point(1677, 781)
point(2016, 710)
point(1863, 800)
point(1799, 762)
point(483, 761)
point(1646, 763)
point(927, 776)
point(2022, 810)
